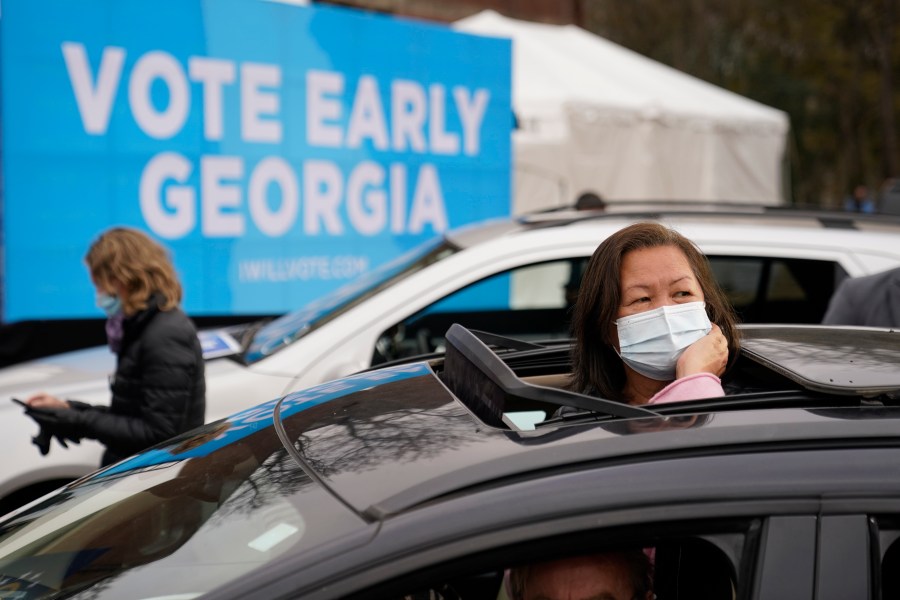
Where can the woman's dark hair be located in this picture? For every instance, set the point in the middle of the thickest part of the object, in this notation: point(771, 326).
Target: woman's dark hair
point(596, 368)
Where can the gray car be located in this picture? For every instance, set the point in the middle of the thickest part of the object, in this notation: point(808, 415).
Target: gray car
point(512, 277)
point(437, 478)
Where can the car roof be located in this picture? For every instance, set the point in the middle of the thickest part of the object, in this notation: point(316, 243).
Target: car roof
point(407, 434)
point(616, 214)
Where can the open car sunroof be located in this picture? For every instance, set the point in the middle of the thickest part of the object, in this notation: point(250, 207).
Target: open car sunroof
point(847, 361)
point(488, 386)
point(779, 365)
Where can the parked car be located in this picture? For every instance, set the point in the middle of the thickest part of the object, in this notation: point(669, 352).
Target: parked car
point(431, 479)
point(506, 276)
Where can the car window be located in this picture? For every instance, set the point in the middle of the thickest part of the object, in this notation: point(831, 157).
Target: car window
point(541, 285)
point(693, 565)
point(528, 302)
point(783, 286)
point(777, 290)
point(888, 556)
point(738, 277)
point(533, 302)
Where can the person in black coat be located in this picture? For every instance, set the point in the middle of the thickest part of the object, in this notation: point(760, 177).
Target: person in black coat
point(871, 300)
point(158, 389)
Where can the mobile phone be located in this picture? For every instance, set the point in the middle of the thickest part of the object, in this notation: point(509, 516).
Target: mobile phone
point(30, 409)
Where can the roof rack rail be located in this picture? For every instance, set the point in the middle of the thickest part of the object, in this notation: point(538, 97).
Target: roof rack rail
point(651, 209)
point(485, 384)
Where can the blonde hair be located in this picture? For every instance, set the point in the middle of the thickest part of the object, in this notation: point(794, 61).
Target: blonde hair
point(140, 265)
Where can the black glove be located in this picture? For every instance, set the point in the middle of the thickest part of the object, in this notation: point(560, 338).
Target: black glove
point(64, 424)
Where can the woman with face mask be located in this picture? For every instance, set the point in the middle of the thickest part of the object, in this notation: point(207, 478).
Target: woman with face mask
point(651, 324)
point(158, 389)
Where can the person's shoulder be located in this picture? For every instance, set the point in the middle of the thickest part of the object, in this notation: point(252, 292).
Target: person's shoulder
point(172, 323)
point(873, 279)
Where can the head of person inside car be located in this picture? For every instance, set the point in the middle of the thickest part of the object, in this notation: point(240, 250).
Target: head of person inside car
point(651, 324)
point(621, 575)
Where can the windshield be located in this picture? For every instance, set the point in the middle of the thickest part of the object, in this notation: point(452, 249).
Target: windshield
point(292, 326)
point(185, 518)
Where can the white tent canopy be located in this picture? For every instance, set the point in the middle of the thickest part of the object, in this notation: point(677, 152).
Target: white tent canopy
point(594, 116)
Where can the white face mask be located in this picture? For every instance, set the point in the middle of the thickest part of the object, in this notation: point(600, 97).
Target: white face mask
point(109, 304)
point(651, 342)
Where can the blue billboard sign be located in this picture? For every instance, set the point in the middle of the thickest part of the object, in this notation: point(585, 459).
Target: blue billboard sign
point(279, 151)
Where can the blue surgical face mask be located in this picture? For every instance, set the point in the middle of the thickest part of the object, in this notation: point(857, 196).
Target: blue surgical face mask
point(651, 342)
point(109, 304)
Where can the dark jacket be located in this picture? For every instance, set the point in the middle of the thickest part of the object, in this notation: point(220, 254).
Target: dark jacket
point(158, 389)
point(872, 300)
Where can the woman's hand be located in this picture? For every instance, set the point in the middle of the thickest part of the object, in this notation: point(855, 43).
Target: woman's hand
point(43, 400)
point(709, 354)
